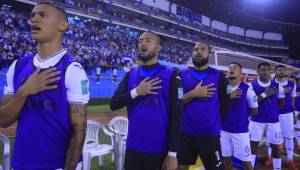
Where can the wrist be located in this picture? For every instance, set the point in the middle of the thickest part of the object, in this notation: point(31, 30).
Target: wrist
point(134, 93)
point(172, 154)
point(263, 95)
point(22, 92)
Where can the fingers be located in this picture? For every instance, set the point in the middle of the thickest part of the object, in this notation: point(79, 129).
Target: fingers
point(145, 80)
point(200, 83)
point(49, 70)
point(155, 87)
point(211, 89)
point(152, 92)
point(48, 81)
point(210, 85)
point(49, 87)
point(155, 82)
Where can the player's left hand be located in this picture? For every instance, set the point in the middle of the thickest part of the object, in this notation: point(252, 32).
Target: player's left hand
point(287, 89)
point(170, 163)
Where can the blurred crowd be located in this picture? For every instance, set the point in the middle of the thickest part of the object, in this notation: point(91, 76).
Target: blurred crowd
point(93, 43)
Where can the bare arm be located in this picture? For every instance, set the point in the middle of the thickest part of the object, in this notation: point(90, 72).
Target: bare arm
point(78, 115)
point(9, 111)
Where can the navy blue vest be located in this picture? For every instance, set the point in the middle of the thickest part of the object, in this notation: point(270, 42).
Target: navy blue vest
point(149, 115)
point(288, 104)
point(201, 116)
point(268, 110)
point(44, 126)
point(237, 119)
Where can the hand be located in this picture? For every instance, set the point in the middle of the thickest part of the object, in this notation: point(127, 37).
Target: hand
point(287, 89)
point(270, 91)
point(38, 82)
point(170, 163)
point(148, 86)
point(236, 94)
point(204, 91)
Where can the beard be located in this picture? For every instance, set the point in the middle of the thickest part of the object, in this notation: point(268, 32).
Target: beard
point(281, 76)
point(230, 76)
point(199, 62)
point(146, 56)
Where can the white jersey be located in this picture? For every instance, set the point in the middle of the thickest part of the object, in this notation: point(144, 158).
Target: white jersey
point(98, 70)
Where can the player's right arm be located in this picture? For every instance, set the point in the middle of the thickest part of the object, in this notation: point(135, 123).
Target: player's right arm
point(13, 102)
point(122, 97)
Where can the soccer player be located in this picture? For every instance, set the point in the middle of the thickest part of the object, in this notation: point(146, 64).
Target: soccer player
point(153, 98)
point(235, 140)
point(51, 124)
point(205, 103)
point(98, 72)
point(115, 74)
point(270, 99)
point(286, 116)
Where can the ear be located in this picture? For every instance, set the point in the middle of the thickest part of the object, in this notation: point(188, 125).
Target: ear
point(159, 48)
point(63, 26)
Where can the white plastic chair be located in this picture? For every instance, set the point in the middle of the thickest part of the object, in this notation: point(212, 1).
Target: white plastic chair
point(92, 147)
point(119, 125)
point(6, 152)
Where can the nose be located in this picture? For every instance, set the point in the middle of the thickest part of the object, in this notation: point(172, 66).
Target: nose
point(33, 19)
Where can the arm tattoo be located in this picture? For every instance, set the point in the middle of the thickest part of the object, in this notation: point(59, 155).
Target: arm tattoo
point(78, 114)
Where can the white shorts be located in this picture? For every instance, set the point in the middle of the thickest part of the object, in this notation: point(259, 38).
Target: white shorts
point(273, 132)
point(287, 125)
point(236, 144)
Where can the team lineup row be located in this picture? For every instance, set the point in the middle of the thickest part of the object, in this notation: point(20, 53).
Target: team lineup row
point(173, 116)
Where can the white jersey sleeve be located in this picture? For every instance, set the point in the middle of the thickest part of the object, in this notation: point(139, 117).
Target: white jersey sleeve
point(281, 93)
point(9, 87)
point(252, 98)
point(77, 84)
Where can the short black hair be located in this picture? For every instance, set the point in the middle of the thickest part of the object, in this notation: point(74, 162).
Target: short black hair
point(279, 66)
point(155, 36)
point(263, 64)
point(236, 63)
point(59, 6)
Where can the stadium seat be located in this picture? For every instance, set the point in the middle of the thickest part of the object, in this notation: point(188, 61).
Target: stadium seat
point(6, 153)
point(92, 147)
point(119, 125)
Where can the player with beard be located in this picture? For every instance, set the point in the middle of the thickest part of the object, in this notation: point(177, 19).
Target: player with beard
point(205, 103)
point(152, 95)
point(286, 116)
point(51, 124)
point(235, 140)
point(270, 99)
